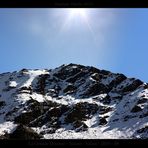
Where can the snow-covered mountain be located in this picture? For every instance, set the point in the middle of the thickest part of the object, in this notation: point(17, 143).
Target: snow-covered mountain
point(72, 102)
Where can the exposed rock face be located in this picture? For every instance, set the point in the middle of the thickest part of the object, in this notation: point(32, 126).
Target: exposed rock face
point(132, 86)
point(102, 121)
point(72, 101)
point(81, 111)
point(24, 133)
point(136, 109)
point(96, 89)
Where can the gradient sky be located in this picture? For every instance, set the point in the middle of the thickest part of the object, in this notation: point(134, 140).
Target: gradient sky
point(111, 39)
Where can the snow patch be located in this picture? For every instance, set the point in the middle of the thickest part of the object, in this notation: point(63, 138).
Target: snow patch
point(7, 127)
point(13, 84)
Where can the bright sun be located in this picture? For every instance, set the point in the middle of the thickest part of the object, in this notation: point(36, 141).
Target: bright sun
point(75, 12)
point(78, 16)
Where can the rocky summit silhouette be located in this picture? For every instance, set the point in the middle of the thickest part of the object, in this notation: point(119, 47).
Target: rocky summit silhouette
point(72, 102)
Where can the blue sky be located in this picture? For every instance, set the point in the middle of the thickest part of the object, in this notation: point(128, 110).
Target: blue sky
point(111, 39)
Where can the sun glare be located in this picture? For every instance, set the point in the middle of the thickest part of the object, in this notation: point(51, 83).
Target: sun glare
point(77, 12)
point(78, 16)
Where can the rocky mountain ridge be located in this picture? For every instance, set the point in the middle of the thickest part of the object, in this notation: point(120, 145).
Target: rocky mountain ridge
point(72, 102)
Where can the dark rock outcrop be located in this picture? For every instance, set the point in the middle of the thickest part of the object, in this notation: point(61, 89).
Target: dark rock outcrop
point(2, 103)
point(102, 121)
point(70, 89)
point(81, 111)
point(24, 133)
point(40, 88)
point(79, 126)
point(136, 108)
point(96, 89)
point(133, 86)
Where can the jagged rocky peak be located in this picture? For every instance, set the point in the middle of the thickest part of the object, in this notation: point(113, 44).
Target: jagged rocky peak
point(72, 101)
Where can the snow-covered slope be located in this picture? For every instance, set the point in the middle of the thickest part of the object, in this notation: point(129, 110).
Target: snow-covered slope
point(72, 102)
